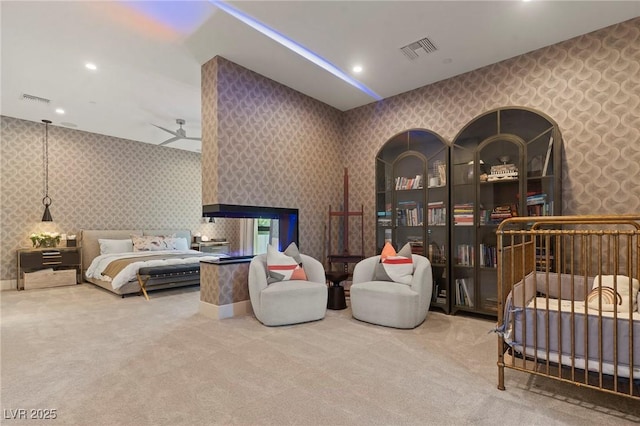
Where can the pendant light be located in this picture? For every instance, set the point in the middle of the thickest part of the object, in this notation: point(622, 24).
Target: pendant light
point(46, 201)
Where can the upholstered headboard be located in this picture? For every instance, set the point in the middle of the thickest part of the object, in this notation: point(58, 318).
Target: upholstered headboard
point(178, 233)
point(91, 247)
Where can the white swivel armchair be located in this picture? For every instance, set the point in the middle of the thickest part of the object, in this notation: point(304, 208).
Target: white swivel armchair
point(287, 302)
point(389, 303)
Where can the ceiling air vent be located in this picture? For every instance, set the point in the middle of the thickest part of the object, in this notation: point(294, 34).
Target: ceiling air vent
point(36, 99)
point(415, 49)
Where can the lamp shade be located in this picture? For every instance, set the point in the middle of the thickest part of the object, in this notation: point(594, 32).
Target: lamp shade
point(46, 217)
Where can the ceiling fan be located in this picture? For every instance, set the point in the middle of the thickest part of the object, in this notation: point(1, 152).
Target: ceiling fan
point(177, 134)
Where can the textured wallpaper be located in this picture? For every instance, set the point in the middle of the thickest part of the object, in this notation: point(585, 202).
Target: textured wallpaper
point(95, 181)
point(266, 144)
point(270, 145)
point(589, 85)
point(232, 280)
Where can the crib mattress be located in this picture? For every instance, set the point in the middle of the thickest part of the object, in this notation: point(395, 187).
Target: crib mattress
point(575, 339)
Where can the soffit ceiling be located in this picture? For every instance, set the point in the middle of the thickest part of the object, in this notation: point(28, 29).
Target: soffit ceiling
point(149, 53)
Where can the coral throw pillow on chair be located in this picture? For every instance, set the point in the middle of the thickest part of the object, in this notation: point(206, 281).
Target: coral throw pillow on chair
point(285, 266)
point(396, 267)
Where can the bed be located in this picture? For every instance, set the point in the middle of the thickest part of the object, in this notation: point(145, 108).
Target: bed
point(569, 305)
point(109, 260)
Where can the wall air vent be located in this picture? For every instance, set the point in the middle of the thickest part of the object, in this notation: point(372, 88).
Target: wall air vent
point(35, 99)
point(417, 48)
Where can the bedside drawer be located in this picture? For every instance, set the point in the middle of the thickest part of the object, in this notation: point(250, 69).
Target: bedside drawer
point(215, 249)
point(51, 257)
point(71, 257)
point(31, 260)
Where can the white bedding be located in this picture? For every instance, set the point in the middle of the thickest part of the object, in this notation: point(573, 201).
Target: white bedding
point(129, 273)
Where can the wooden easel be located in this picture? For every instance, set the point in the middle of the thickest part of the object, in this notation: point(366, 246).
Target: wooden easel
point(347, 256)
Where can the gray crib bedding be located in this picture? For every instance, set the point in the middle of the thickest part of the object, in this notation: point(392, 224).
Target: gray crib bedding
point(546, 319)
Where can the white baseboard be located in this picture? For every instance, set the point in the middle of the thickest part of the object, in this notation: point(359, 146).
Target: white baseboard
point(225, 311)
point(8, 285)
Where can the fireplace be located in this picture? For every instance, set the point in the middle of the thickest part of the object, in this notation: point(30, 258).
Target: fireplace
point(287, 218)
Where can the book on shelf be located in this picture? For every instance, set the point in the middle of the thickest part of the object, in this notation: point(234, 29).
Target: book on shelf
point(463, 214)
point(465, 254)
point(502, 212)
point(467, 295)
point(548, 157)
point(410, 213)
point(437, 177)
point(485, 216)
point(545, 259)
point(439, 294)
point(436, 253)
point(436, 213)
point(442, 172)
point(538, 205)
point(536, 198)
point(488, 256)
point(464, 296)
point(416, 244)
point(404, 183)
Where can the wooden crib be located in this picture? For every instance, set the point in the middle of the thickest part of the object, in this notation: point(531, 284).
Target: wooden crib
point(568, 303)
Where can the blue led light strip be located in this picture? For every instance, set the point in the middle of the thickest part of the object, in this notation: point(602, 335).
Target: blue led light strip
point(294, 46)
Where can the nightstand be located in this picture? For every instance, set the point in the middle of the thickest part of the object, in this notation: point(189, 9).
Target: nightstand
point(215, 247)
point(56, 258)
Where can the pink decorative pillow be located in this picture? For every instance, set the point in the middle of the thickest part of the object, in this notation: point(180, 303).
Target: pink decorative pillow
point(285, 266)
point(396, 267)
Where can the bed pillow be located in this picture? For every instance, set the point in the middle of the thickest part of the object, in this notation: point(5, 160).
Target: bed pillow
point(115, 246)
point(285, 266)
point(396, 267)
point(152, 243)
point(177, 243)
point(610, 300)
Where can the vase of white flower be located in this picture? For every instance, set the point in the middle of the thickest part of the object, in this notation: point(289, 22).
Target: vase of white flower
point(45, 239)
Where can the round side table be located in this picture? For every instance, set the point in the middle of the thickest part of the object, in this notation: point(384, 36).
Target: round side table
point(336, 299)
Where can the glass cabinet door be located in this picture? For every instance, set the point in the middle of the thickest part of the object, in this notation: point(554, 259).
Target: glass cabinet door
point(412, 201)
point(384, 203)
point(500, 186)
point(463, 235)
point(505, 163)
point(409, 178)
point(436, 242)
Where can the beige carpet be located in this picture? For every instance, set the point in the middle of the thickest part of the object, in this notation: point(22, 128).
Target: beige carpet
point(101, 360)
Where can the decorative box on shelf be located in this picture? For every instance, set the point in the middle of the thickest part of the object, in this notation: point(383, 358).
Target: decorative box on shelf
point(503, 172)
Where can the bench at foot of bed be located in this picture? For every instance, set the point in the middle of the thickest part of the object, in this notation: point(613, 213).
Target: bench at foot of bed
point(179, 272)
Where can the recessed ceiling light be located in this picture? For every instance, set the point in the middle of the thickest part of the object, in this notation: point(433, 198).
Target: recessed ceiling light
point(91, 66)
point(59, 111)
point(357, 69)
